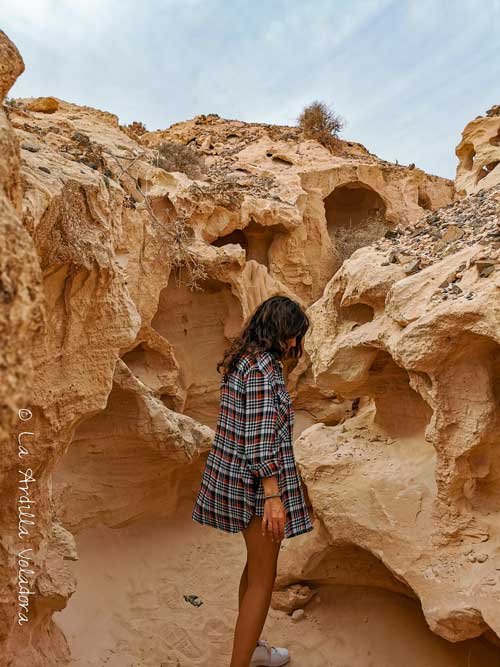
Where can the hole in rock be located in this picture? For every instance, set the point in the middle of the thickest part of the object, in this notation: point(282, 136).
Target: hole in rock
point(424, 201)
point(355, 216)
point(255, 239)
point(371, 627)
point(121, 467)
point(359, 313)
point(237, 237)
point(466, 155)
point(350, 564)
point(198, 324)
point(487, 169)
point(425, 379)
point(357, 588)
point(400, 410)
point(165, 211)
point(495, 141)
point(150, 366)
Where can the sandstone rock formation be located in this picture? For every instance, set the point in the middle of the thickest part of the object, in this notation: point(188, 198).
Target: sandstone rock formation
point(123, 282)
point(479, 153)
point(21, 315)
point(416, 469)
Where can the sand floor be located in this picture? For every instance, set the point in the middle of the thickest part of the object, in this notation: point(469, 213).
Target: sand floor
point(129, 610)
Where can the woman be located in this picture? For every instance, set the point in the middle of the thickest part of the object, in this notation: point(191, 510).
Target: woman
point(250, 482)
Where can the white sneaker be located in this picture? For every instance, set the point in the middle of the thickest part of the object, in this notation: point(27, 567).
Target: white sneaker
point(266, 655)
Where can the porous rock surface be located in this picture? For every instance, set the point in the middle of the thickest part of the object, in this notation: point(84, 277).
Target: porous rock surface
point(479, 153)
point(121, 283)
point(416, 469)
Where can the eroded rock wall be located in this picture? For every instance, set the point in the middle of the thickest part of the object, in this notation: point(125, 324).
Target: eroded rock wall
point(479, 153)
point(140, 275)
point(21, 318)
point(412, 477)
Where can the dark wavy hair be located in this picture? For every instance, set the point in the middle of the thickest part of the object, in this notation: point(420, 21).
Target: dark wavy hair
point(273, 322)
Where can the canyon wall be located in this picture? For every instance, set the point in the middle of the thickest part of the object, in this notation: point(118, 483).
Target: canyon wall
point(131, 258)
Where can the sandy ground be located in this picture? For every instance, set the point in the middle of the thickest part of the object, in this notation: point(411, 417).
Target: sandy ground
point(129, 610)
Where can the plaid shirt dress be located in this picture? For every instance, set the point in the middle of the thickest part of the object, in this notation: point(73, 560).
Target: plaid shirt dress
point(253, 439)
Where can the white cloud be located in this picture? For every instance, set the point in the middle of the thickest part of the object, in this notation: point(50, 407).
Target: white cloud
point(405, 75)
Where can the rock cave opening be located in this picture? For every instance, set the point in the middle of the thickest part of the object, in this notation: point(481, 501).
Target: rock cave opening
point(255, 240)
point(198, 325)
point(355, 216)
point(151, 367)
point(357, 314)
point(466, 154)
point(495, 141)
point(424, 201)
point(355, 588)
point(353, 565)
point(400, 410)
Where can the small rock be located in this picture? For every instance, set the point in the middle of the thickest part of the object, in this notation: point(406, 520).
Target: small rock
point(281, 157)
point(483, 262)
point(412, 267)
point(440, 244)
point(486, 271)
point(393, 257)
point(43, 105)
point(194, 600)
point(206, 144)
point(81, 138)
point(298, 614)
point(30, 147)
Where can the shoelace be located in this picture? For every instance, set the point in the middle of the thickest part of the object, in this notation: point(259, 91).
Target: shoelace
point(263, 642)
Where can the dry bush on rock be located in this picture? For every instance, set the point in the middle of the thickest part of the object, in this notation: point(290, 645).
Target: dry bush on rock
point(134, 129)
point(176, 157)
point(349, 238)
point(320, 122)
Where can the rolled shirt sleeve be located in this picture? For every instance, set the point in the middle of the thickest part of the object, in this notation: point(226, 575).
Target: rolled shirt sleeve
point(261, 441)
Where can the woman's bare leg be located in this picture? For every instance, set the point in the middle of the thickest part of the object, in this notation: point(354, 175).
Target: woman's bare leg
point(262, 559)
point(243, 585)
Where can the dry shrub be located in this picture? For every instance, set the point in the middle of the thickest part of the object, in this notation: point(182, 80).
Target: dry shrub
point(318, 121)
point(348, 238)
point(177, 236)
point(177, 157)
point(134, 129)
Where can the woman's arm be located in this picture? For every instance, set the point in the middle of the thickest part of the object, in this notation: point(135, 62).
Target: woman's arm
point(261, 442)
point(262, 446)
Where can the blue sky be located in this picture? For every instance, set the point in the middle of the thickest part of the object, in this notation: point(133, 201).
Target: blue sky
point(407, 75)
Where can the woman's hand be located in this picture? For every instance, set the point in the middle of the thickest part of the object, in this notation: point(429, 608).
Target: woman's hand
point(273, 520)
